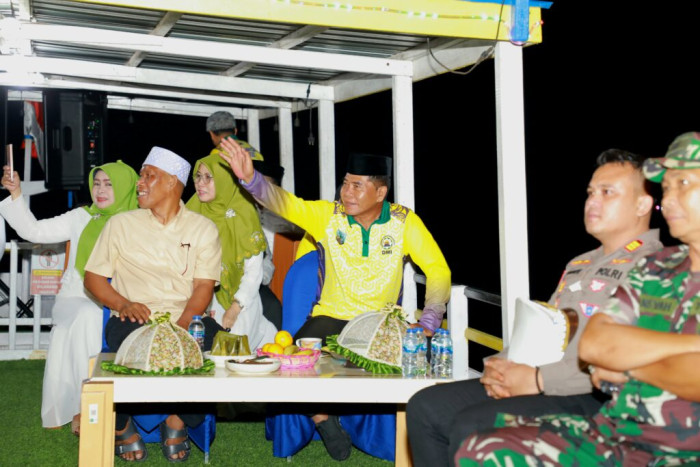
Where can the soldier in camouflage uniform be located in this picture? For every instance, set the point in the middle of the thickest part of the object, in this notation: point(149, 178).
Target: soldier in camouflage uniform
point(646, 342)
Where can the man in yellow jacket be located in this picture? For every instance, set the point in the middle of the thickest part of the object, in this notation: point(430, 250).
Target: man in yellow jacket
point(363, 243)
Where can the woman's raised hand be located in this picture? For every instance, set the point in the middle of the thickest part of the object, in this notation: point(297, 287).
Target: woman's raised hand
point(11, 182)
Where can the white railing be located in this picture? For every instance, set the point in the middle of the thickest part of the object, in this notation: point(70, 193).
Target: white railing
point(458, 323)
point(12, 321)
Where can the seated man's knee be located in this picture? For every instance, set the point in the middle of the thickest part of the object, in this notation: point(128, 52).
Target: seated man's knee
point(320, 326)
point(419, 406)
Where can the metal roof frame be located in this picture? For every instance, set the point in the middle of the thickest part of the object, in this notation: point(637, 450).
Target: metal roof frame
point(278, 57)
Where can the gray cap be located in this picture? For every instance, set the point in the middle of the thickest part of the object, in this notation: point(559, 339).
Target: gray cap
point(221, 120)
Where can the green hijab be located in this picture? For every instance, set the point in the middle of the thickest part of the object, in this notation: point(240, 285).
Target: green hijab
point(123, 180)
point(235, 215)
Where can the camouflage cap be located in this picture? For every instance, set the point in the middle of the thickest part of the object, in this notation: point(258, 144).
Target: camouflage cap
point(683, 153)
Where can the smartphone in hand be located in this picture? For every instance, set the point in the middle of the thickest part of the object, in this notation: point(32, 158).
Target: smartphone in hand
point(9, 161)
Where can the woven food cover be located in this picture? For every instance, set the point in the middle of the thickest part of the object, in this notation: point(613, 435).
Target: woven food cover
point(373, 340)
point(159, 346)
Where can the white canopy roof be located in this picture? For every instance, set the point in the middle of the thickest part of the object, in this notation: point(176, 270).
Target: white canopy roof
point(265, 58)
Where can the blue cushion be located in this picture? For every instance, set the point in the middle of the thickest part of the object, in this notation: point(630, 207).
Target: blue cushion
point(299, 292)
point(374, 434)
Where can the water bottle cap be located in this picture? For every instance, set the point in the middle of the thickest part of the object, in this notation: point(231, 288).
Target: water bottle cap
point(441, 331)
point(196, 318)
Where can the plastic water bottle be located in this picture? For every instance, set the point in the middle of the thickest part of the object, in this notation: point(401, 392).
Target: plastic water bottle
point(196, 330)
point(409, 356)
point(414, 362)
point(441, 349)
point(422, 360)
point(435, 346)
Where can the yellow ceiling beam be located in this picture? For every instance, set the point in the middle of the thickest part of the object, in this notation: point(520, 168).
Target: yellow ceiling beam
point(450, 18)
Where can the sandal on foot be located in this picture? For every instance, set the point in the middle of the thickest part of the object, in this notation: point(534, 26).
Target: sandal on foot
point(170, 450)
point(137, 445)
point(335, 438)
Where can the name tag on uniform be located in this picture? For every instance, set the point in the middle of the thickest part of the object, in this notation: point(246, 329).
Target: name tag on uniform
point(657, 305)
point(575, 287)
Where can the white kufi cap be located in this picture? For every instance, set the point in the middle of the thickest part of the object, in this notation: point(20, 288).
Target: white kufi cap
point(170, 162)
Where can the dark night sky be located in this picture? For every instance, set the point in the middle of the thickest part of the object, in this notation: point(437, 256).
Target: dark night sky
point(605, 76)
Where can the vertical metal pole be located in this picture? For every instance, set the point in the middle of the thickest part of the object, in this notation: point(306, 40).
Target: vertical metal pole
point(28, 140)
point(26, 284)
point(253, 121)
point(326, 149)
point(36, 327)
point(457, 323)
point(512, 194)
point(13, 295)
point(286, 148)
point(402, 107)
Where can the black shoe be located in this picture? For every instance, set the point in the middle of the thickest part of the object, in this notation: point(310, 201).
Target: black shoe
point(337, 441)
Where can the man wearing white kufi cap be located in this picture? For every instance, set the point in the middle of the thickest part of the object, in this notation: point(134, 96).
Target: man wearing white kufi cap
point(162, 258)
point(170, 162)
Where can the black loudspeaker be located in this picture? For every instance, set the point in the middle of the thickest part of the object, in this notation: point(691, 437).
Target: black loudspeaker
point(75, 129)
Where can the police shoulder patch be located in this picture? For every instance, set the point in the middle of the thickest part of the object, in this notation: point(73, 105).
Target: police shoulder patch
point(621, 261)
point(633, 245)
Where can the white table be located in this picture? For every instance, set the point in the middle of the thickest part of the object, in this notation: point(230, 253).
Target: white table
point(327, 382)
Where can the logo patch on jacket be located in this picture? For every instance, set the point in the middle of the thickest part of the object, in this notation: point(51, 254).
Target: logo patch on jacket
point(387, 244)
point(340, 237)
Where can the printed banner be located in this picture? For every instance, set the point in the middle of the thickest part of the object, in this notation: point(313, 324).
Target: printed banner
point(48, 263)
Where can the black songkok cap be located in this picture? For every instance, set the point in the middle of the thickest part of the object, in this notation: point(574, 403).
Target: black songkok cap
point(368, 164)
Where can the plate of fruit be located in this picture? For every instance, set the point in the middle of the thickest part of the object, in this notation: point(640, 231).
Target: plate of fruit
point(288, 353)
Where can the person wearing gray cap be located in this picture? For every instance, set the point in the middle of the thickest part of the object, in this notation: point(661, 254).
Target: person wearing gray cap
point(161, 258)
point(222, 125)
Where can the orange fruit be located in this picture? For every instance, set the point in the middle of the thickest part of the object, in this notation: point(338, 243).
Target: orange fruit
point(275, 348)
point(283, 338)
point(266, 347)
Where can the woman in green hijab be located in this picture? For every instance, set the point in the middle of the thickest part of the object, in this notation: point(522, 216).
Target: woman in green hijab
point(77, 317)
point(236, 305)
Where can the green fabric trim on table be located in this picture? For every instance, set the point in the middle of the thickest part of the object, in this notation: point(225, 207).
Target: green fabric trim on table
point(207, 367)
point(359, 360)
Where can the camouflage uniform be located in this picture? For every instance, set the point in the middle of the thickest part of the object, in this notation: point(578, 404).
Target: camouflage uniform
point(642, 424)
